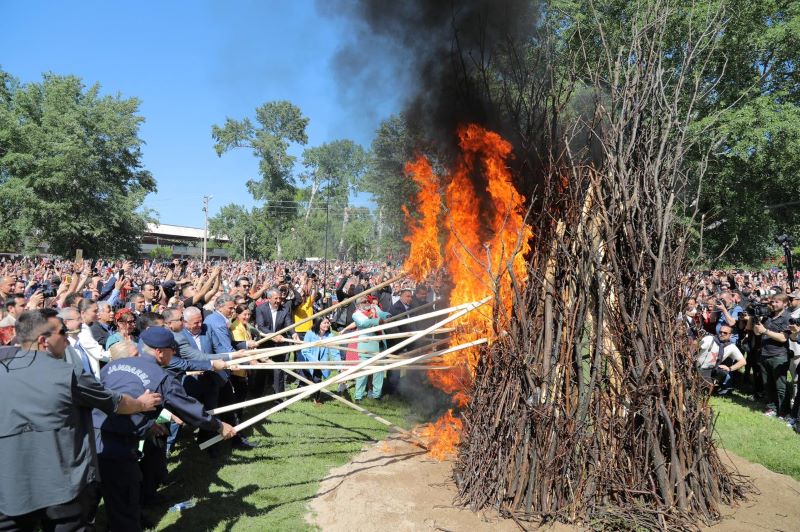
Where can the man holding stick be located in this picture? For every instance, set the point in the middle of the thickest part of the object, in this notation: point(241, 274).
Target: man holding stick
point(119, 436)
point(271, 317)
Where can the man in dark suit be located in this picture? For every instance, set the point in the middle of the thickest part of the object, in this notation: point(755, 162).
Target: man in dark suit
point(271, 317)
point(101, 327)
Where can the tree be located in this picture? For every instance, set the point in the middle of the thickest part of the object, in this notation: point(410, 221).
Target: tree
point(246, 230)
point(70, 168)
point(749, 196)
point(385, 179)
point(280, 124)
point(333, 171)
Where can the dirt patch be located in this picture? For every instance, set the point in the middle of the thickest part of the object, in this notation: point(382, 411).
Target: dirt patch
point(395, 486)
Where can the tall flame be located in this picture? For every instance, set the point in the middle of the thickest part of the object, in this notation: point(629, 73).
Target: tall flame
point(484, 240)
point(424, 256)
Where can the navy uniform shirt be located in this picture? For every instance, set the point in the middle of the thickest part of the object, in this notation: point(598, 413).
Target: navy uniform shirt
point(119, 435)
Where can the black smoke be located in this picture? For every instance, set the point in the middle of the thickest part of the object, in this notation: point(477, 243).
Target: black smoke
point(451, 59)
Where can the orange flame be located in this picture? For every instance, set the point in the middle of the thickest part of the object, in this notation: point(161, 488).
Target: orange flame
point(442, 436)
point(424, 256)
point(485, 239)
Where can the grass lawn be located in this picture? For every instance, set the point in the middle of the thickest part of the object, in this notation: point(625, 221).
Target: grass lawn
point(268, 488)
point(744, 430)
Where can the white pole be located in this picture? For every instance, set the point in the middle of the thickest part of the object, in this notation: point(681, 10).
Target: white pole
point(309, 390)
point(369, 371)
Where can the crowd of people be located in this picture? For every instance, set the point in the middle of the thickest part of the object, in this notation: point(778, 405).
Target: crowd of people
point(106, 361)
point(753, 319)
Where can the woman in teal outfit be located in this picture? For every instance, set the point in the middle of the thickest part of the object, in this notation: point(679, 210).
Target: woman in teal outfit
point(367, 315)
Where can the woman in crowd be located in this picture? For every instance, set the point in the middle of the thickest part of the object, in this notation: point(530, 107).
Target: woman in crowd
point(241, 331)
point(320, 330)
point(126, 327)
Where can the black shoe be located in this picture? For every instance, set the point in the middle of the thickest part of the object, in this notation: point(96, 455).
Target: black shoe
point(240, 442)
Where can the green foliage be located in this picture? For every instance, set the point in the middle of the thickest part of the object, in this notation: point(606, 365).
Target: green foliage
point(280, 124)
point(293, 220)
point(70, 168)
point(161, 252)
point(385, 179)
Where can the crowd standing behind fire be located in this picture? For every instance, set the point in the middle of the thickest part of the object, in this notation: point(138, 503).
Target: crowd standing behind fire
point(97, 334)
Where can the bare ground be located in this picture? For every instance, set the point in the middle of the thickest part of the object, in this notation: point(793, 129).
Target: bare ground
point(395, 486)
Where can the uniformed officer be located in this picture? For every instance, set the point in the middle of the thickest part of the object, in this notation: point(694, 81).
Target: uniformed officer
point(49, 462)
point(119, 435)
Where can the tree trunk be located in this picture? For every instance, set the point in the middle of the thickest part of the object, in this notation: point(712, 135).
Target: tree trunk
point(345, 219)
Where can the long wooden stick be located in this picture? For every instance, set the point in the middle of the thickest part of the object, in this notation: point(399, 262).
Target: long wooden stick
point(356, 407)
point(369, 371)
point(412, 311)
point(355, 334)
point(309, 390)
point(332, 308)
point(289, 365)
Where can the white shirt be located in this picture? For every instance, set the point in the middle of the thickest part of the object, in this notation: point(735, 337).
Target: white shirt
point(707, 357)
point(95, 351)
point(274, 312)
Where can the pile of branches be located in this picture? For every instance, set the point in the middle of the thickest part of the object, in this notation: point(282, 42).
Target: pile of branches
point(590, 409)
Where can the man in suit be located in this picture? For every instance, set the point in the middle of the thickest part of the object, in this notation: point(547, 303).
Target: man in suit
point(219, 337)
point(101, 327)
point(271, 317)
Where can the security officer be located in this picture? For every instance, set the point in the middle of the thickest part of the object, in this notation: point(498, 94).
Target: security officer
point(119, 435)
point(49, 462)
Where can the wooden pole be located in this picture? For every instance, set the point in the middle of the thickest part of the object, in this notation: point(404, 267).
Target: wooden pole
point(309, 390)
point(328, 310)
point(369, 371)
point(412, 311)
point(354, 334)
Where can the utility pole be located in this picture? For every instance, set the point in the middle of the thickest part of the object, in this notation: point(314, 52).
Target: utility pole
point(206, 199)
point(325, 258)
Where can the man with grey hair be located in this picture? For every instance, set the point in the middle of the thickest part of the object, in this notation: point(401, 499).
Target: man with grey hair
point(47, 478)
point(271, 317)
point(217, 327)
point(102, 327)
point(74, 323)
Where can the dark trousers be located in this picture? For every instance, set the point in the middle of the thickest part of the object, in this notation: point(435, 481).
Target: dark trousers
point(752, 370)
point(72, 515)
point(206, 388)
point(121, 484)
point(154, 468)
point(773, 378)
point(279, 376)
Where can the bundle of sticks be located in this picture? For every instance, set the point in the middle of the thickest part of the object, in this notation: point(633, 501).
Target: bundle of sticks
point(427, 357)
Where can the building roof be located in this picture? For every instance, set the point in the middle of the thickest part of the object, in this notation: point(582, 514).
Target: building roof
point(180, 231)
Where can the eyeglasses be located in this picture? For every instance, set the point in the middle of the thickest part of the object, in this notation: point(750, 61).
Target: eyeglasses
point(724, 332)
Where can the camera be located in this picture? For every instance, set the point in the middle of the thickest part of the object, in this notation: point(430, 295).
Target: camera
point(757, 311)
point(794, 321)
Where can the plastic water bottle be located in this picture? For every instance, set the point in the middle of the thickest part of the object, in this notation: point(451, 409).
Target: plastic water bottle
point(181, 506)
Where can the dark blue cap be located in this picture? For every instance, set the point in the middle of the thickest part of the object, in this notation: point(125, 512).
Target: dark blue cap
point(158, 338)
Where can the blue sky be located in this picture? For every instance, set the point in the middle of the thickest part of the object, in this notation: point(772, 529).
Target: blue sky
point(192, 64)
